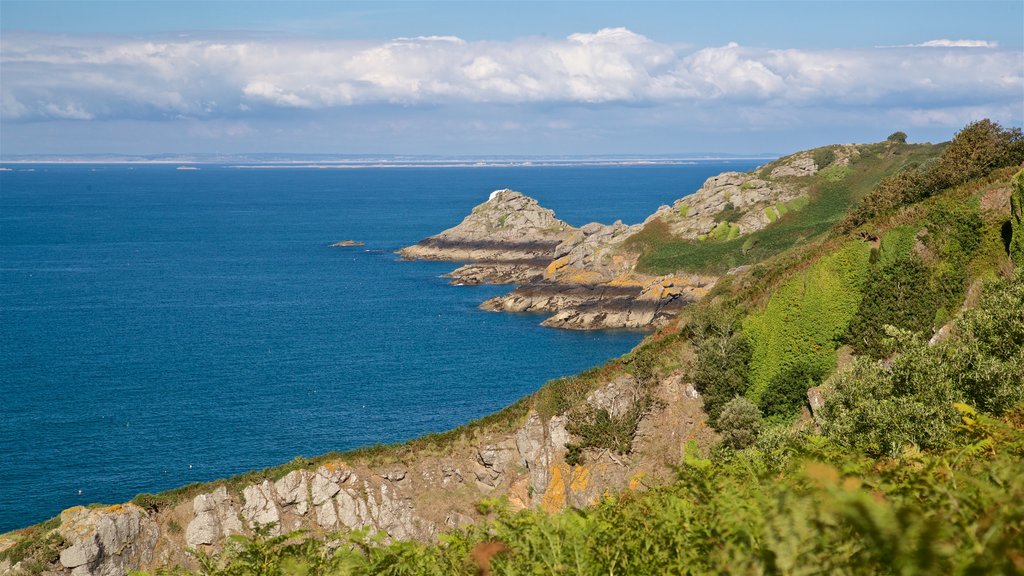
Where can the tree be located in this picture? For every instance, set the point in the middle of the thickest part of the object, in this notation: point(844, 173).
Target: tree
point(897, 137)
point(978, 149)
point(740, 423)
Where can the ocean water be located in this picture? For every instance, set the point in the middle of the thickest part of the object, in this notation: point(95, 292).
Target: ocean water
point(160, 327)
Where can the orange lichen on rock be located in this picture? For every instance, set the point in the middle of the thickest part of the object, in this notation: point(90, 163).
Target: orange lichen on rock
point(554, 495)
point(580, 479)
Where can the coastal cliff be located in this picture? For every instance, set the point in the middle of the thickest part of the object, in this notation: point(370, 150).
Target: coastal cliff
point(752, 343)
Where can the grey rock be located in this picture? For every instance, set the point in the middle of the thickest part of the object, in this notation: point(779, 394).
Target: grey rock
point(259, 508)
point(497, 457)
point(324, 488)
point(326, 514)
point(292, 491)
point(815, 399)
point(107, 541)
point(352, 510)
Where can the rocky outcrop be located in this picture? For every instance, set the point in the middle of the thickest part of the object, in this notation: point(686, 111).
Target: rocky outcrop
point(592, 255)
point(496, 273)
point(583, 278)
point(508, 227)
point(627, 302)
point(106, 541)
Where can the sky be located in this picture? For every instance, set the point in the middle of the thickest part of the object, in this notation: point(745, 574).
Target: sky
point(499, 78)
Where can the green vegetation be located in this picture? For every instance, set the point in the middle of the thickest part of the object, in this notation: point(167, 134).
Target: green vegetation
point(799, 222)
point(975, 151)
point(806, 317)
point(1016, 247)
point(897, 137)
point(818, 510)
point(723, 355)
point(739, 423)
point(824, 157)
point(881, 409)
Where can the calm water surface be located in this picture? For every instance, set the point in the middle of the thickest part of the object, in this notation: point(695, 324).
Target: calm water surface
point(160, 327)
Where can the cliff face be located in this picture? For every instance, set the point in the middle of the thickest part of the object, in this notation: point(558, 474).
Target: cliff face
point(414, 497)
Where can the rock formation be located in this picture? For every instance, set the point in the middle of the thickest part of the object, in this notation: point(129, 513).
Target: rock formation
point(509, 227)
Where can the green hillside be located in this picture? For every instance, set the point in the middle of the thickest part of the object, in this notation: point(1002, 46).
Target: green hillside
point(829, 193)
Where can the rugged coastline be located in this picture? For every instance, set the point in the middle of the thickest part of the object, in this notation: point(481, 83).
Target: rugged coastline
point(539, 453)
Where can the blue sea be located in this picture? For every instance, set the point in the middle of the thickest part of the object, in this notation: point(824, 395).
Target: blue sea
point(160, 327)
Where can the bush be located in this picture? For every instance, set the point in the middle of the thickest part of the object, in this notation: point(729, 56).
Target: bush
point(739, 423)
point(896, 294)
point(787, 392)
point(721, 370)
point(823, 157)
point(897, 137)
point(975, 151)
point(881, 410)
point(978, 149)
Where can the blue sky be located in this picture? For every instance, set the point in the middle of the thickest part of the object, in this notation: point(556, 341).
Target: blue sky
point(499, 77)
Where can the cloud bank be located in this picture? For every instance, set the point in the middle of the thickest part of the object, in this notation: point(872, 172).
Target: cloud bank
point(83, 78)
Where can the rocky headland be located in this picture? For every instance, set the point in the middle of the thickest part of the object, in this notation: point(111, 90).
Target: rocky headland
point(588, 278)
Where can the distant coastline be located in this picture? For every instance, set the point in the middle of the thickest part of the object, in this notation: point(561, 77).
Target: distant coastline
point(285, 162)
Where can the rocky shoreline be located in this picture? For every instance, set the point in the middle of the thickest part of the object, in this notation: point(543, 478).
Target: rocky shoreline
point(578, 276)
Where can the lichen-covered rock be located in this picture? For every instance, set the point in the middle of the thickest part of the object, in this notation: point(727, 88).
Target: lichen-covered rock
point(509, 227)
point(107, 541)
point(592, 255)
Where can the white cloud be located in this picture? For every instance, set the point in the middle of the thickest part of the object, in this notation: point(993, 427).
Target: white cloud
point(944, 43)
point(86, 77)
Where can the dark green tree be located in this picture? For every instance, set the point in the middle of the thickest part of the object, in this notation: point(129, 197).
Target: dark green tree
point(898, 137)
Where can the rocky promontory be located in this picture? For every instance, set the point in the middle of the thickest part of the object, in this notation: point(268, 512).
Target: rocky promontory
point(579, 276)
point(508, 227)
point(588, 278)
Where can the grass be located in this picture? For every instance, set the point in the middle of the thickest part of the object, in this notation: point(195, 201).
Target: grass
point(829, 194)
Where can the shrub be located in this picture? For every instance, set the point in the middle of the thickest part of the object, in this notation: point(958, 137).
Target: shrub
point(720, 373)
point(787, 391)
point(883, 409)
point(824, 157)
point(975, 151)
point(897, 137)
point(739, 423)
point(880, 410)
point(898, 294)
point(978, 149)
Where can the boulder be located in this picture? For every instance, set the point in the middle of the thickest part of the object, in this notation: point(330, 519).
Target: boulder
point(107, 541)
